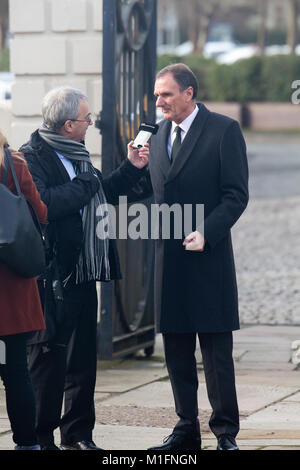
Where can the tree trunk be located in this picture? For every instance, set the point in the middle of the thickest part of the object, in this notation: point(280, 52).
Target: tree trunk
point(194, 23)
point(204, 30)
point(261, 35)
point(200, 21)
point(3, 22)
point(292, 25)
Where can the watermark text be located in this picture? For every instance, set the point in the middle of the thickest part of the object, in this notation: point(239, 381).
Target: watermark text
point(155, 221)
point(2, 353)
point(296, 95)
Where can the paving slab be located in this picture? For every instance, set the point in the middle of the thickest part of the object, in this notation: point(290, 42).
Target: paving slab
point(278, 356)
point(129, 437)
point(116, 438)
point(285, 378)
point(4, 425)
point(266, 333)
point(264, 366)
point(295, 397)
point(254, 397)
point(157, 394)
point(121, 380)
point(281, 447)
point(282, 415)
point(6, 442)
point(251, 397)
point(2, 404)
point(141, 438)
point(282, 435)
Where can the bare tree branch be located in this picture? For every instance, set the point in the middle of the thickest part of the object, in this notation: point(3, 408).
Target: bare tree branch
point(261, 34)
point(3, 22)
point(292, 25)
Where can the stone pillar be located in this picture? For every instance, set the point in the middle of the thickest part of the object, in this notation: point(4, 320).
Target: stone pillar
point(56, 42)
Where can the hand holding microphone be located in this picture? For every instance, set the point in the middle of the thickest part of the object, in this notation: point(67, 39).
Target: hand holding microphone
point(138, 150)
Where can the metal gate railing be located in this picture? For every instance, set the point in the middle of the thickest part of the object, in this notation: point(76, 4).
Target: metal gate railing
point(129, 66)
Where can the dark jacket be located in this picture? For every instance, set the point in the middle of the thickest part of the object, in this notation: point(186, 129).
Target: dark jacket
point(64, 199)
point(20, 306)
point(197, 291)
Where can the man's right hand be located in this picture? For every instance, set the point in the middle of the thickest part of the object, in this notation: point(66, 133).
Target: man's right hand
point(194, 242)
point(91, 178)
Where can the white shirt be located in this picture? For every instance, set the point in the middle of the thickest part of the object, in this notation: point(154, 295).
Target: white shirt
point(184, 126)
point(68, 166)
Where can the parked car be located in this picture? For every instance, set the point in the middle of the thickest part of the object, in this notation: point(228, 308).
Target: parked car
point(240, 52)
point(212, 49)
point(6, 81)
point(249, 50)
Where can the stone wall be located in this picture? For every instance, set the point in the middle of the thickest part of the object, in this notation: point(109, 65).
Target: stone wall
point(5, 118)
point(56, 42)
point(261, 117)
point(232, 110)
point(274, 116)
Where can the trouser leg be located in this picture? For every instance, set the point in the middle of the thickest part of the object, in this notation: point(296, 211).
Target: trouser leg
point(218, 365)
point(47, 370)
point(78, 420)
point(47, 365)
point(182, 368)
point(20, 400)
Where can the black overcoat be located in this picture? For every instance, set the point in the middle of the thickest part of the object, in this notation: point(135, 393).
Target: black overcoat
point(197, 291)
point(64, 199)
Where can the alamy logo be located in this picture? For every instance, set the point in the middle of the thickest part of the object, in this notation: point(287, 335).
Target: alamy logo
point(2, 353)
point(296, 95)
point(157, 221)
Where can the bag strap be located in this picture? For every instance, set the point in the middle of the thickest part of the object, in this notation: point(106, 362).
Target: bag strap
point(4, 174)
point(10, 162)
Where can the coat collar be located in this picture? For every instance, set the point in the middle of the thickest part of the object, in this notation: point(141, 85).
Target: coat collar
point(171, 171)
point(46, 156)
point(163, 157)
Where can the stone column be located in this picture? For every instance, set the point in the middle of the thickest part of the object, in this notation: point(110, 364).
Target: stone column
point(56, 42)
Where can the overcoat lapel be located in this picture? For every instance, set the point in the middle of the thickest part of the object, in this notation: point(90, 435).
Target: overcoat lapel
point(49, 160)
point(162, 145)
point(188, 143)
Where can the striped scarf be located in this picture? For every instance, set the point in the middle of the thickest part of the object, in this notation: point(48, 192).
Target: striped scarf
point(93, 261)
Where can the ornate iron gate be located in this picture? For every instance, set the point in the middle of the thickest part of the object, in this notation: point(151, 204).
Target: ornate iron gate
point(129, 65)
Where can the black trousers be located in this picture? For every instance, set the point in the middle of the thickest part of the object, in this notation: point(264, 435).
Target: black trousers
point(68, 372)
point(20, 400)
point(216, 349)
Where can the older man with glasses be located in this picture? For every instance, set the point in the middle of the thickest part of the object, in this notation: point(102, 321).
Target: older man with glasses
point(63, 359)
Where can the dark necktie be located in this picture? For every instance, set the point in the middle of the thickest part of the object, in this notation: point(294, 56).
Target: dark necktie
point(176, 144)
point(76, 166)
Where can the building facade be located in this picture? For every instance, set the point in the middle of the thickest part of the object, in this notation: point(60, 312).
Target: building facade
point(55, 42)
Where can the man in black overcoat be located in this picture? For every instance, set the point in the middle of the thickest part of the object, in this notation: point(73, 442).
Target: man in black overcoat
point(202, 162)
point(63, 358)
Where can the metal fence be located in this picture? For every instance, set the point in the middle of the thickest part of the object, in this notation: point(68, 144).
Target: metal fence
point(129, 66)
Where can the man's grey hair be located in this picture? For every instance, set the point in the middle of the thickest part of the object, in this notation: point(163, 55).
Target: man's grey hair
point(183, 75)
point(61, 104)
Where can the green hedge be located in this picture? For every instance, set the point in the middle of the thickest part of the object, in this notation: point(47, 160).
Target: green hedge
point(4, 60)
point(262, 79)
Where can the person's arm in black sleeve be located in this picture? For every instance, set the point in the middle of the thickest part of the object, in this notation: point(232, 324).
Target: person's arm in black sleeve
point(64, 199)
point(233, 185)
point(127, 180)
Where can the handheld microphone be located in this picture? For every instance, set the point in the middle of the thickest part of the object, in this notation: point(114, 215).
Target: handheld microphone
point(144, 134)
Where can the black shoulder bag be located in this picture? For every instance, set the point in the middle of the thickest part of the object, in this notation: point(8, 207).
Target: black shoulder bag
point(21, 236)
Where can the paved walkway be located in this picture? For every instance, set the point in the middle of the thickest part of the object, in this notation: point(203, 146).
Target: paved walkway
point(266, 238)
point(134, 401)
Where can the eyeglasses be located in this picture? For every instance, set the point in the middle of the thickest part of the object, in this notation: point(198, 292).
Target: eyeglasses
point(88, 119)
